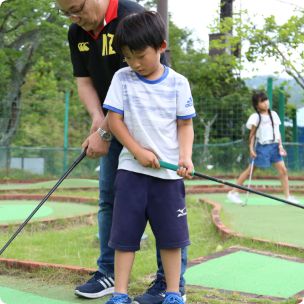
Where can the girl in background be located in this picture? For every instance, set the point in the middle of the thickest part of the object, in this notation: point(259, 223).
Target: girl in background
point(265, 145)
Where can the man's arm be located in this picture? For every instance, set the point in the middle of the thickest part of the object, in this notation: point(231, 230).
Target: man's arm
point(95, 146)
point(90, 99)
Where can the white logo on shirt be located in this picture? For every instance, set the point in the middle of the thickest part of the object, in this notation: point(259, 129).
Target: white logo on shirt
point(181, 212)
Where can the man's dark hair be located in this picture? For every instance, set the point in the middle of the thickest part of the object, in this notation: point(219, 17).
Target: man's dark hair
point(139, 31)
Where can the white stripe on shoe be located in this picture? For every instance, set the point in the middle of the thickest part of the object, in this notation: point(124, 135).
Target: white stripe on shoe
point(100, 294)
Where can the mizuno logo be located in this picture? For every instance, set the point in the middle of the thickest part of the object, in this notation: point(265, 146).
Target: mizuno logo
point(83, 46)
point(181, 212)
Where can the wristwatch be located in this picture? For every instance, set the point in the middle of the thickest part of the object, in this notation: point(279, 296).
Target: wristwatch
point(105, 135)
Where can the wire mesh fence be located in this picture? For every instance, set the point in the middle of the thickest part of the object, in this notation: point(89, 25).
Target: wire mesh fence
point(225, 159)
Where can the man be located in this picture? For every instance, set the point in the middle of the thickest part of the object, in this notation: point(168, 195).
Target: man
point(94, 63)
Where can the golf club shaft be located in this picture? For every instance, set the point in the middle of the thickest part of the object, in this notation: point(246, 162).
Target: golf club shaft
point(76, 162)
point(175, 168)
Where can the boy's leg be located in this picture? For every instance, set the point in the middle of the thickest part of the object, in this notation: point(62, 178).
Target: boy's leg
point(160, 275)
point(102, 282)
point(128, 224)
point(123, 266)
point(172, 191)
point(172, 264)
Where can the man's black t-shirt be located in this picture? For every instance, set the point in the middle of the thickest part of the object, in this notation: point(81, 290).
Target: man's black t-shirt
point(95, 57)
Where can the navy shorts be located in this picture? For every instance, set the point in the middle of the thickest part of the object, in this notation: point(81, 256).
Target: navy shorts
point(140, 198)
point(267, 155)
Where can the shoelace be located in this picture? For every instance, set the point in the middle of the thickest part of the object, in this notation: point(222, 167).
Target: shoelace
point(96, 276)
point(173, 300)
point(119, 299)
point(157, 286)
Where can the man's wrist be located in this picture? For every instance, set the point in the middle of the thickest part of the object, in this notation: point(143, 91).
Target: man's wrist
point(104, 135)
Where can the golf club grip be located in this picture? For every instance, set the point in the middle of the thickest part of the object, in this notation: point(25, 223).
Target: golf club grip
point(75, 163)
point(170, 166)
point(220, 181)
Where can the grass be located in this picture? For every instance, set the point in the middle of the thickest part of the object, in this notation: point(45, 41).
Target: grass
point(78, 245)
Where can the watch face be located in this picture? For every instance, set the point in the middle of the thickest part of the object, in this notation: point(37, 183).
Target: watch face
point(107, 136)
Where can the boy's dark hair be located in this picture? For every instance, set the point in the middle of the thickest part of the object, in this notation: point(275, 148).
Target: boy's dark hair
point(258, 96)
point(139, 31)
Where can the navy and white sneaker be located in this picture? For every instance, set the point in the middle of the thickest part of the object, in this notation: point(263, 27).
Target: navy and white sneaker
point(156, 292)
point(98, 286)
point(119, 298)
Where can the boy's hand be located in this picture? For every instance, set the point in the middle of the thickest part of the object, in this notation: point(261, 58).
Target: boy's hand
point(282, 151)
point(185, 168)
point(147, 158)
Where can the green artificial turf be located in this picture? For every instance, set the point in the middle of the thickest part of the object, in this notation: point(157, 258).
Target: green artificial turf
point(67, 183)
point(16, 211)
point(250, 273)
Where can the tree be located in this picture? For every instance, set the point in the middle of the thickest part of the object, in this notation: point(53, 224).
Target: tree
point(282, 42)
point(27, 30)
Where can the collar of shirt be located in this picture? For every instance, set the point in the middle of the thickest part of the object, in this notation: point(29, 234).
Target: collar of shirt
point(111, 14)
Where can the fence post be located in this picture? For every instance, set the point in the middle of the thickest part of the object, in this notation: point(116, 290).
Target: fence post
point(295, 138)
point(269, 91)
point(282, 112)
point(66, 128)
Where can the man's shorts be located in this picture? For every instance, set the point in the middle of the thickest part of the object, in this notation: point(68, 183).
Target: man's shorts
point(267, 155)
point(140, 198)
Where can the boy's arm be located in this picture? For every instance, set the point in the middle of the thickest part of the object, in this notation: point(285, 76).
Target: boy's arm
point(185, 138)
point(117, 126)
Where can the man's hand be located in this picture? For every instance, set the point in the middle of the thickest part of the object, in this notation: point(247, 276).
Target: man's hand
point(96, 123)
point(96, 147)
point(185, 168)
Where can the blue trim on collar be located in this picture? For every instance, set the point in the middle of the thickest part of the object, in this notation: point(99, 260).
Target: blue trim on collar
point(155, 81)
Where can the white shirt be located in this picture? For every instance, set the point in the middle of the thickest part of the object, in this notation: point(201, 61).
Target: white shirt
point(264, 134)
point(150, 109)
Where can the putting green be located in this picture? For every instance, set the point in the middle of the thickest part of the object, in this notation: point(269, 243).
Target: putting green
point(16, 211)
point(9, 295)
point(67, 183)
point(255, 182)
point(263, 218)
point(250, 273)
point(18, 290)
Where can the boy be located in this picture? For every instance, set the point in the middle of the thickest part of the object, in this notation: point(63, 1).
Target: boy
point(150, 112)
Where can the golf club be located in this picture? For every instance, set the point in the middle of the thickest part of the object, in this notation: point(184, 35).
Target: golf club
point(249, 182)
point(175, 168)
point(75, 163)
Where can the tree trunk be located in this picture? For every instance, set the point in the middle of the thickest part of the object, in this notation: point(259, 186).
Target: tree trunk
point(10, 108)
point(208, 125)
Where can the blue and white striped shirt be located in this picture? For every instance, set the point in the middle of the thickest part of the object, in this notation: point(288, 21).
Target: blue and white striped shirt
point(150, 109)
